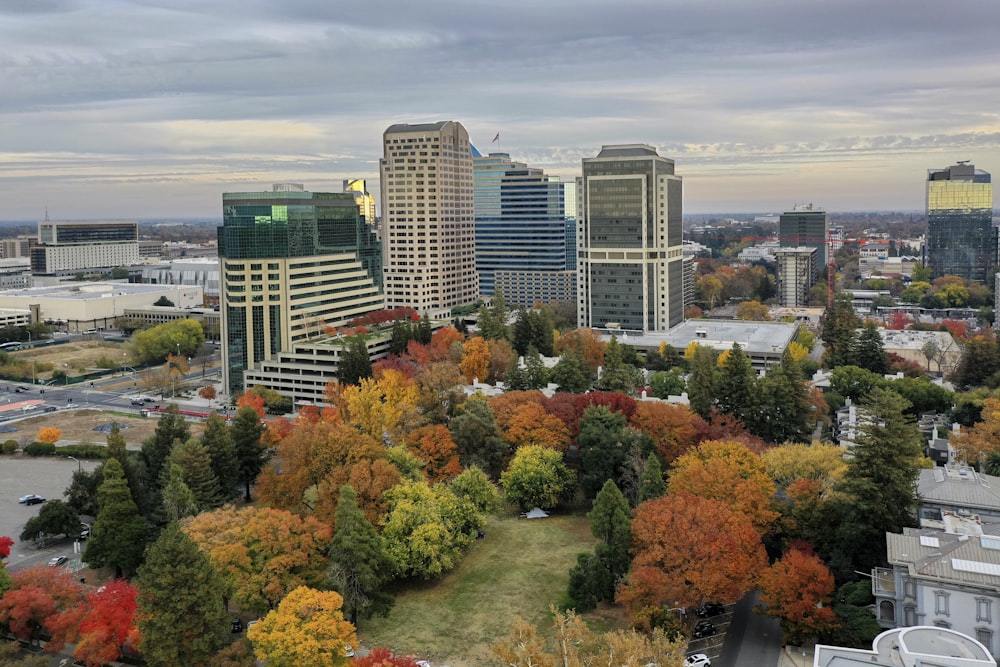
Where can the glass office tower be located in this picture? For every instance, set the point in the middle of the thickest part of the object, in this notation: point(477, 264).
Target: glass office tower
point(961, 240)
point(806, 226)
point(292, 263)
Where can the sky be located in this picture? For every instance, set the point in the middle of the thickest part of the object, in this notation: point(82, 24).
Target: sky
point(154, 108)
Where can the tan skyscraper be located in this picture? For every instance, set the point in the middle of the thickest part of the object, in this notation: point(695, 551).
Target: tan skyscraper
point(428, 221)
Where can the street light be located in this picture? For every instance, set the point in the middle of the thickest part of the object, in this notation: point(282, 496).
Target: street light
point(79, 466)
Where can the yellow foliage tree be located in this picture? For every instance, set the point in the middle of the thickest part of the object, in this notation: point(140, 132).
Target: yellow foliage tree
point(380, 406)
point(690, 350)
point(792, 461)
point(306, 630)
point(475, 362)
point(49, 434)
point(798, 352)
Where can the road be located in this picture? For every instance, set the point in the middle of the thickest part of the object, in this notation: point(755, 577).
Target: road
point(752, 640)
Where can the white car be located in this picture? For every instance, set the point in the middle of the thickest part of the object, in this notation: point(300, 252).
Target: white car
point(697, 660)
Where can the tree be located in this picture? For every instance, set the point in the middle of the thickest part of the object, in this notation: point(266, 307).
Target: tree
point(867, 350)
point(978, 444)
point(118, 536)
point(667, 383)
point(728, 472)
point(616, 375)
point(531, 424)
point(81, 494)
point(49, 434)
point(262, 553)
point(170, 427)
point(380, 406)
point(688, 550)
point(306, 630)
point(182, 337)
point(596, 578)
point(791, 462)
point(477, 436)
point(196, 465)
point(475, 362)
point(163, 301)
point(433, 445)
point(180, 613)
point(537, 477)
point(54, 518)
point(383, 657)
point(355, 363)
point(360, 566)
point(752, 310)
point(673, 428)
point(604, 442)
point(39, 600)
point(218, 440)
point(493, 318)
point(571, 373)
point(107, 623)
point(178, 500)
point(736, 386)
point(797, 591)
point(784, 411)
point(702, 380)
point(208, 393)
point(653, 483)
point(837, 331)
point(250, 452)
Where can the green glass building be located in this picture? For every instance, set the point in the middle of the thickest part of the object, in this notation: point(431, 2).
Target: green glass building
point(961, 240)
point(293, 263)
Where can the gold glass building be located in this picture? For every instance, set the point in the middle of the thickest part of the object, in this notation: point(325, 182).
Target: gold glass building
point(961, 240)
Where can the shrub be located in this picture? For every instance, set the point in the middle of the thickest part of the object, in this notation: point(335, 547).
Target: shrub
point(40, 449)
point(9, 447)
point(86, 451)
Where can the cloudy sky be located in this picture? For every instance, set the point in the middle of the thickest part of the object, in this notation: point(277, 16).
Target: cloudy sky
point(153, 108)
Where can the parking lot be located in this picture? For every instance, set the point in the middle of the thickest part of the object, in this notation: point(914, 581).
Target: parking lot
point(712, 646)
point(47, 477)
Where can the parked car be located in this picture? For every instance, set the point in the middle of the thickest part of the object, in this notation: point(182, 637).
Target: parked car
point(24, 499)
point(710, 609)
point(34, 500)
point(237, 626)
point(57, 561)
point(703, 629)
point(697, 660)
point(138, 401)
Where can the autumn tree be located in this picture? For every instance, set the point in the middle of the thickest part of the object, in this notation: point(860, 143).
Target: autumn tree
point(532, 425)
point(439, 391)
point(475, 362)
point(688, 549)
point(380, 407)
point(791, 462)
point(208, 393)
point(49, 434)
point(671, 427)
point(107, 623)
point(383, 657)
point(180, 613)
point(586, 344)
point(976, 445)
point(433, 445)
point(261, 553)
point(250, 451)
point(752, 310)
point(118, 536)
point(537, 477)
point(360, 566)
point(728, 472)
point(35, 602)
point(797, 590)
point(306, 630)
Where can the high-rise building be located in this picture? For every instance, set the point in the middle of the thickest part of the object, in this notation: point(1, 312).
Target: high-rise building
point(428, 224)
point(796, 273)
point(630, 258)
point(806, 226)
point(961, 240)
point(292, 263)
point(365, 201)
point(520, 232)
point(71, 247)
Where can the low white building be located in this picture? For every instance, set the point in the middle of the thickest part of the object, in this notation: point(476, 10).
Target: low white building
point(910, 647)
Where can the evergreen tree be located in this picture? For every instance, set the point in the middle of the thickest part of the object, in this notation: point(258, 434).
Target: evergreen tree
point(117, 449)
point(178, 500)
point(515, 379)
point(702, 381)
point(155, 450)
point(596, 578)
point(424, 331)
point(571, 373)
point(246, 432)
point(222, 450)
point(360, 566)
point(81, 494)
point(402, 334)
point(118, 536)
point(533, 328)
point(785, 410)
point(180, 615)
point(477, 437)
point(534, 369)
point(493, 319)
point(355, 364)
point(603, 447)
point(837, 331)
point(196, 466)
point(867, 350)
point(736, 386)
point(654, 484)
point(616, 375)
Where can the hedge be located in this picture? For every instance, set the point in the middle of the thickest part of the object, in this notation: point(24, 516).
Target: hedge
point(40, 449)
point(84, 451)
point(9, 446)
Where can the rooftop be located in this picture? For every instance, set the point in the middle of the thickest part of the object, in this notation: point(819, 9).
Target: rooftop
point(959, 486)
point(910, 647)
point(87, 290)
point(756, 338)
point(628, 150)
point(419, 127)
point(964, 560)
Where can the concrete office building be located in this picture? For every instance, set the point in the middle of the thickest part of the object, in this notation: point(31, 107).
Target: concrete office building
point(293, 263)
point(806, 226)
point(15, 273)
point(428, 222)
point(961, 239)
point(65, 248)
point(20, 246)
point(358, 188)
point(520, 232)
point(796, 273)
point(201, 271)
point(630, 271)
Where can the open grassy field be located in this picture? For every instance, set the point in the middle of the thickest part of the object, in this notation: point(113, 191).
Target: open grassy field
point(519, 569)
point(71, 357)
point(78, 427)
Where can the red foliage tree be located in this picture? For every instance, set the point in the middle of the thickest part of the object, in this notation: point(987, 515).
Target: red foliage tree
point(383, 657)
point(615, 402)
point(254, 401)
point(403, 364)
point(797, 590)
point(107, 624)
point(721, 426)
point(564, 406)
point(37, 598)
point(5, 544)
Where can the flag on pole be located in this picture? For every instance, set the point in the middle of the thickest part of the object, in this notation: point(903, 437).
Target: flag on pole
point(496, 138)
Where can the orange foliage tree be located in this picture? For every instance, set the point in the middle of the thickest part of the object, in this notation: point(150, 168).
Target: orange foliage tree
point(434, 446)
point(671, 427)
point(383, 657)
point(475, 362)
point(797, 590)
point(586, 343)
point(502, 355)
point(531, 425)
point(730, 473)
point(506, 404)
point(255, 401)
point(40, 599)
point(442, 343)
point(262, 553)
point(689, 550)
point(976, 444)
point(370, 478)
point(49, 434)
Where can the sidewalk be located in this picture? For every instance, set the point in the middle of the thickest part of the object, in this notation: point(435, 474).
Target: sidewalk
point(794, 656)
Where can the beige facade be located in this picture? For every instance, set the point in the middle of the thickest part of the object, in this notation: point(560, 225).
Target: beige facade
point(796, 268)
point(428, 221)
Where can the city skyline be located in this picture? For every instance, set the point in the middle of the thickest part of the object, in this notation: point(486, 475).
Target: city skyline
point(140, 109)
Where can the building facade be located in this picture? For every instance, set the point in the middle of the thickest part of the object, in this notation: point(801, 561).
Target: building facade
point(365, 201)
point(630, 271)
point(19, 246)
point(796, 273)
point(293, 262)
point(201, 271)
point(428, 222)
point(806, 226)
point(15, 273)
point(520, 232)
point(70, 247)
point(961, 240)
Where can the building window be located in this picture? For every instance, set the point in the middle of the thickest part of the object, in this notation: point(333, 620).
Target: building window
point(985, 637)
point(886, 611)
point(941, 602)
point(983, 609)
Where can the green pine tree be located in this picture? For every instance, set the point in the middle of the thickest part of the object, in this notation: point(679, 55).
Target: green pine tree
point(222, 450)
point(654, 484)
point(736, 386)
point(180, 615)
point(155, 450)
point(570, 374)
point(477, 436)
point(837, 331)
point(355, 364)
point(535, 374)
point(616, 375)
point(246, 432)
point(360, 566)
point(867, 350)
point(702, 380)
point(196, 466)
point(178, 499)
point(118, 536)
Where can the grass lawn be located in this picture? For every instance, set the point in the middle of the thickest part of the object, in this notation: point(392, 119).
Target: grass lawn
point(519, 569)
